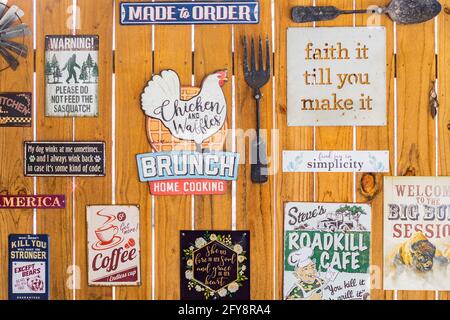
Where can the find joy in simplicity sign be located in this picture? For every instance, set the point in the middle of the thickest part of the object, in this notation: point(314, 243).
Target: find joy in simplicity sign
point(336, 76)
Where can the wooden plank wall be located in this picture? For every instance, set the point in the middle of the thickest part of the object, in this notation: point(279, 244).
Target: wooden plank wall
point(369, 187)
point(11, 168)
point(419, 145)
point(58, 224)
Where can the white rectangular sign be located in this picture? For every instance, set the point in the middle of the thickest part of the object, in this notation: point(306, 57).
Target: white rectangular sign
point(113, 245)
point(417, 233)
point(336, 161)
point(72, 74)
point(336, 76)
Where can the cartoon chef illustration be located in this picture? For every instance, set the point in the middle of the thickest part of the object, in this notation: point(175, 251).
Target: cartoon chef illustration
point(310, 283)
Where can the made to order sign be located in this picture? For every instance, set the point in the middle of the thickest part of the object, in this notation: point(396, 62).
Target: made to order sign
point(218, 12)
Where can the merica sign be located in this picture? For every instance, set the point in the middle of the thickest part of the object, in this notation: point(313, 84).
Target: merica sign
point(186, 169)
point(218, 12)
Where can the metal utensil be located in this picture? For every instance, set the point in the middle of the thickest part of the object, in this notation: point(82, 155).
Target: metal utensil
point(400, 11)
point(257, 77)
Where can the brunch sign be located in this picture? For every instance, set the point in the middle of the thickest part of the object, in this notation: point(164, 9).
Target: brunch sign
point(28, 267)
point(326, 251)
point(185, 129)
point(113, 245)
point(336, 76)
point(416, 233)
point(215, 265)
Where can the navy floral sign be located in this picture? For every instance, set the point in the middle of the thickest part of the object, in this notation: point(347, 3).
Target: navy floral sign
point(215, 265)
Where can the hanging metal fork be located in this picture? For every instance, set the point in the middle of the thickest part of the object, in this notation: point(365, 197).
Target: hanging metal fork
point(257, 77)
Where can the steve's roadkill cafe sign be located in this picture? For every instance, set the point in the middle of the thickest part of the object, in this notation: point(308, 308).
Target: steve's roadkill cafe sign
point(71, 72)
point(185, 12)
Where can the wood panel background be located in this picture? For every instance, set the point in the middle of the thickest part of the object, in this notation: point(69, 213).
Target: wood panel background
point(129, 55)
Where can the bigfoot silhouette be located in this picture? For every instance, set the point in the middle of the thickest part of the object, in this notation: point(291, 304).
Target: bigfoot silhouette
point(70, 66)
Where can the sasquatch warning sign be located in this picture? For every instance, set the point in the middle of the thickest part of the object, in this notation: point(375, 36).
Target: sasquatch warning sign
point(72, 72)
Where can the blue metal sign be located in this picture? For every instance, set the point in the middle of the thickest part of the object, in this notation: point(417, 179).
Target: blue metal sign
point(28, 267)
point(217, 12)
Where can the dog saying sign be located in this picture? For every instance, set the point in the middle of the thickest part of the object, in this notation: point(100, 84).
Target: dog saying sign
point(113, 245)
point(72, 72)
point(417, 233)
point(64, 159)
point(336, 76)
point(28, 267)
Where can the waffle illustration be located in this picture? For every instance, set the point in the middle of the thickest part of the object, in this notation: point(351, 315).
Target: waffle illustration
point(161, 139)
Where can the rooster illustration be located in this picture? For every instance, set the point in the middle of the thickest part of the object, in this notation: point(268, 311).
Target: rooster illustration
point(196, 119)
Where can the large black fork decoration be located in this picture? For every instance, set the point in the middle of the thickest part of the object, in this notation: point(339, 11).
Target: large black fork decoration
point(256, 77)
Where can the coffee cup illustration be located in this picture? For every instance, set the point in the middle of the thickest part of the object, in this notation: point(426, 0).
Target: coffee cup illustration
point(106, 233)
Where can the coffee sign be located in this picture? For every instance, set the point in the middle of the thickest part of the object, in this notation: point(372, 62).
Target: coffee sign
point(336, 76)
point(336, 161)
point(215, 265)
point(326, 251)
point(28, 267)
point(113, 245)
point(72, 73)
point(186, 12)
point(416, 233)
point(15, 109)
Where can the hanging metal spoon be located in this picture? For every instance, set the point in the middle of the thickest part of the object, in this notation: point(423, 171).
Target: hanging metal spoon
point(400, 11)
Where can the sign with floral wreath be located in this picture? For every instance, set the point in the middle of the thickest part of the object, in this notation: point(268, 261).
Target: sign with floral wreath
point(215, 265)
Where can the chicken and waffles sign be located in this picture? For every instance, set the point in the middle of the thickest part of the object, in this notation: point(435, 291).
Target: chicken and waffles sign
point(186, 128)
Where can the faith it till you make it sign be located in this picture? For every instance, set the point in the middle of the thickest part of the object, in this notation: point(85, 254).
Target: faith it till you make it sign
point(71, 72)
point(336, 76)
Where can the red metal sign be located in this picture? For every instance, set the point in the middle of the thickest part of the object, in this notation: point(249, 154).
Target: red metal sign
point(188, 186)
point(33, 202)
